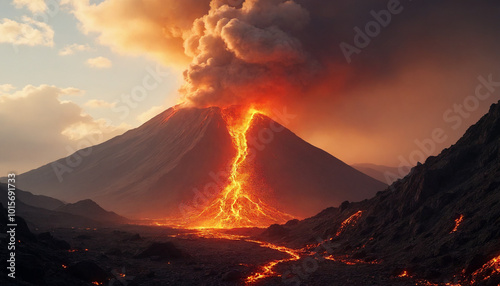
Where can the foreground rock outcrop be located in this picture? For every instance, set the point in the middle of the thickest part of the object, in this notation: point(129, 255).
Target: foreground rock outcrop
point(441, 222)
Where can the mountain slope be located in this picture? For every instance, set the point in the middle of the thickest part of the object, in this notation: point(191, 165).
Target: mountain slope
point(172, 159)
point(444, 217)
point(295, 169)
point(384, 174)
point(88, 208)
point(41, 214)
point(35, 200)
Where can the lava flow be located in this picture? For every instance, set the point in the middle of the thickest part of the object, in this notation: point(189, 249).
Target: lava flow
point(264, 271)
point(268, 269)
point(237, 205)
point(458, 221)
point(349, 221)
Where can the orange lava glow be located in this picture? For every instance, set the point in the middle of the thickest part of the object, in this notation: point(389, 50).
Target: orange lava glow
point(238, 205)
point(404, 274)
point(458, 221)
point(268, 269)
point(172, 113)
point(352, 220)
point(484, 273)
point(264, 271)
point(349, 261)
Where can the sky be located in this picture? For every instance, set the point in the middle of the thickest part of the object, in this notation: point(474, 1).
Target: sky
point(384, 82)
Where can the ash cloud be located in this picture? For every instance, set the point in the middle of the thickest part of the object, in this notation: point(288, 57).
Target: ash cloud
point(279, 53)
point(244, 55)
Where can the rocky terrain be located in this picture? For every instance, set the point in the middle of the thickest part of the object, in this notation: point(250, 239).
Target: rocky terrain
point(441, 222)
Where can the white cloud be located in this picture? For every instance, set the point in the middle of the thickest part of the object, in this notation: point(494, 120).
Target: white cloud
point(6, 88)
point(99, 62)
point(37, 127)
point(30, 32)
point(152, 112)
point(35, 6)
point(71, 49)
point(98, 103)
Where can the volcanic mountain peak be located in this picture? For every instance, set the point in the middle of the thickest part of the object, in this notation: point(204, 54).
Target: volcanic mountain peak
point(188, 158)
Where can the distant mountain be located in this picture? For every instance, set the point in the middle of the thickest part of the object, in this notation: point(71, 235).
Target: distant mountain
point(384, 174)
point(151, 170)
point(85, 213)
point(439, 222)
point(90, 209)
point(35, 200)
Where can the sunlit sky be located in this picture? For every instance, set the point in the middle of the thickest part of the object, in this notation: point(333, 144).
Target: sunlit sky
point(46, 64)
point(70, 69)
point(61, 60)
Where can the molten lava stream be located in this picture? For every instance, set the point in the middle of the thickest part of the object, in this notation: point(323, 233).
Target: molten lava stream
point(237, 205)
point(268, 269)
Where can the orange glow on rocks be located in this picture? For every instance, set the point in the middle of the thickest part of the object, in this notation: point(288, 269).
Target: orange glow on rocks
point(344, 259)
point(484, 273)
point(264, 271)
point(404, 274)
point(238, 204)
point(352, 220)
point(268, 269)
point(458, 221)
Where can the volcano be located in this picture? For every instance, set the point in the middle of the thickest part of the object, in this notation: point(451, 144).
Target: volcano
point(204, 163)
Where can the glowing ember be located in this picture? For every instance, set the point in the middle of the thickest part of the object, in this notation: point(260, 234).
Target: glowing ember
point(404, 274)
point(458, 221)
point(352, 220)
point(64, 266)
point(237, 205)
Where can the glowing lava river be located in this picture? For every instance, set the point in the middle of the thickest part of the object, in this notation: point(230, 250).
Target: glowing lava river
point(238, 205)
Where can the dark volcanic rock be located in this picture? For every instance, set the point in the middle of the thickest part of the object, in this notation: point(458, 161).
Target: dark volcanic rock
point(232, 276)
point(414, 222)
point(30, 268)
point(88, 271)
point(163, 251)
point(276, 230)
point(47, 238)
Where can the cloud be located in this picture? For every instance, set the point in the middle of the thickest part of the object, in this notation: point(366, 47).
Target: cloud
point(141, 27)
point(30, 32)
point(248, 54)
point(71, 49)
point(35, 6)
point(286, 53)
point(6, 88)
point(98, 103)
point(150, 113)
point(38, 127)
point(99, 62)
